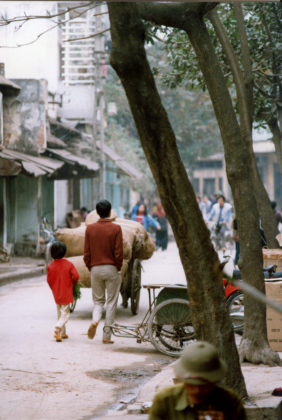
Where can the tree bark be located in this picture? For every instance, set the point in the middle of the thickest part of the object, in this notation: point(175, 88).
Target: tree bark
point(247, 64)
point(269, 223)
point(200, 261)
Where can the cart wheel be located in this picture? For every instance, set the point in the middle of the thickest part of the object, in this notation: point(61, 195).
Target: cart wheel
point(235, 304)
point(135, 286)
point(170, 326)
point(72, 305)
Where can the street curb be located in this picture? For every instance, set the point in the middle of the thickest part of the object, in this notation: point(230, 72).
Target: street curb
point(267, 408)
point(22, 274)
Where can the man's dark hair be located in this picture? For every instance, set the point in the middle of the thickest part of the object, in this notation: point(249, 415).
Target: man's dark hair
point(273, 204)
point(58, 250)
point(83, 209)
point(103, 208)
point(221, 196)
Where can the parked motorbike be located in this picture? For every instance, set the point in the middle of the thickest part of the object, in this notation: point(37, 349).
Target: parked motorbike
point(235, 296)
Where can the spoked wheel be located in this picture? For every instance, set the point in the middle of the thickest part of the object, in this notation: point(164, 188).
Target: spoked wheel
point(170, 326)
point(135, 286)
point(72, 305)
point(236, 306)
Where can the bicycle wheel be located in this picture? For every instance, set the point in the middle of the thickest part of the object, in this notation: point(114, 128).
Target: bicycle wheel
point(135, 286)
point(170, 327)
point(236, 305)
point(72, 305)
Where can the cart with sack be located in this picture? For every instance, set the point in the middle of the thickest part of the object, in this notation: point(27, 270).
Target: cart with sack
point(137, 246)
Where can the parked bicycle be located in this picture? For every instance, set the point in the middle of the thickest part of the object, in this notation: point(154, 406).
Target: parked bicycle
point(49, 236)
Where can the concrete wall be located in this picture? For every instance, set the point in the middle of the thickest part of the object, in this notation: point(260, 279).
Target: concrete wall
point(61, 203)
point(78, 103)
point(24, 117)
point(37, 60)
point(26, 199)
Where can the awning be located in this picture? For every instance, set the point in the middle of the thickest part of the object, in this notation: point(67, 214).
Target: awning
point(72, 159)
point(32, 165)
point(7, 87)
point(55, 169)
point(61, 128)
point(9, 167)
point(120, 162)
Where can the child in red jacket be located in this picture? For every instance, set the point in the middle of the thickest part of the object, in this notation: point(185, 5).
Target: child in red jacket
point(61, 274)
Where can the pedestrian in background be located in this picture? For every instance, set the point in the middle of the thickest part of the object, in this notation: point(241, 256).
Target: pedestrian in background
point(205, 205)
point(61, 274)
point(103, 256)
point(144, 218)
point(84, 213)
point(162, 233)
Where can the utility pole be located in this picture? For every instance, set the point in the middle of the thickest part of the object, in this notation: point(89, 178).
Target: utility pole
point(99, 101)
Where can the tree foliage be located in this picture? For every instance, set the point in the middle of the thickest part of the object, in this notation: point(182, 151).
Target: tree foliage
point(264, 30)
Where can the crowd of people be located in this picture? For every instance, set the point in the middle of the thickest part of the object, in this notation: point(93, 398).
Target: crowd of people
point(157, 221)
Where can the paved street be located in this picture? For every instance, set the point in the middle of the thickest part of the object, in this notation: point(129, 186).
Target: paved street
point(78, 378)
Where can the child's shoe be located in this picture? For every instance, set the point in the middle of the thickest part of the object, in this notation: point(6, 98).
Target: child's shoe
point(64, 336)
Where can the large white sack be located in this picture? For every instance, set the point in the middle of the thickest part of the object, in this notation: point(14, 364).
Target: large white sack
point(84, 273)
point(73, 239)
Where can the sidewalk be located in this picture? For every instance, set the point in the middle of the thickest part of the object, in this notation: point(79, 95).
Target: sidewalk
point(260, 381)
point(19, 268)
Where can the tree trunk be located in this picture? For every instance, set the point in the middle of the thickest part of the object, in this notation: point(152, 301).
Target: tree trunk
point(269, 223)
point(200, 261)
point(254, 345)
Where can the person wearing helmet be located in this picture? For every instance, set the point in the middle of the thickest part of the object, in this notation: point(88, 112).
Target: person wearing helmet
point(197, 395)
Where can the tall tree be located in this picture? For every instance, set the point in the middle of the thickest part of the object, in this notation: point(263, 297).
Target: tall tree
point(199, 259)
point(189, 17)
point(245, 97)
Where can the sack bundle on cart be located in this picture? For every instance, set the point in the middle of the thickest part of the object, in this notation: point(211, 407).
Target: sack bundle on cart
point(137, 246)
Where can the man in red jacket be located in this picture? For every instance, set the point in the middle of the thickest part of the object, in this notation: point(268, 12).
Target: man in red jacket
point(103, 256)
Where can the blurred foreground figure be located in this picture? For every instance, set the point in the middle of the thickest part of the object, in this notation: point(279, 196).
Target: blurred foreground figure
point(196, 396)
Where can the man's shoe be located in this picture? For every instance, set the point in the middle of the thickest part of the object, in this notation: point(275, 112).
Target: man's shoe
point(92, 331)
point(108, 342)
point(64, 336)
point(58, 337)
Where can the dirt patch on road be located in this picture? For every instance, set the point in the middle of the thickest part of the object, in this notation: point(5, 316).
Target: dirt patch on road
point(129, 379)
point(133, 374)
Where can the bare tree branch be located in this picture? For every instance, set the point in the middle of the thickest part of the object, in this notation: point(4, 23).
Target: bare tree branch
point(5, 22)
point(55, 26)
point(87, 37)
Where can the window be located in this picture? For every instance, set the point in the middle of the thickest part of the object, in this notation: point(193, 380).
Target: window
point(220, 184)
point(209, 186)
point(209, 164)
point(196, 185)
point(70, 191)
